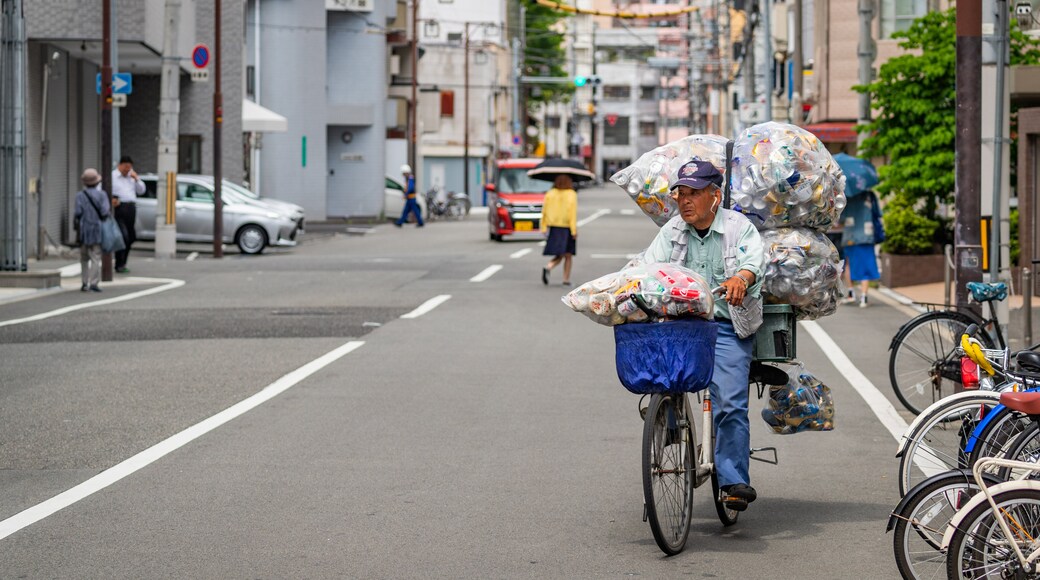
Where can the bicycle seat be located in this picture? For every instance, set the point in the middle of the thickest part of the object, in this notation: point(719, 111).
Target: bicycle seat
point(1025, 402)
point(767, 374)
point(982, 292)
point(1028, 361)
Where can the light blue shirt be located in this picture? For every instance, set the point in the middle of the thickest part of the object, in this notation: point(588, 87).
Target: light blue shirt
point(705, 255)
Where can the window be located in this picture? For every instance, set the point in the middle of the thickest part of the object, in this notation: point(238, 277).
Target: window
point(194, 192)
point(647, 128)
point(897, 15)
point(648, 93)
point(615, 130)
point(616, 92)
point(447, 103)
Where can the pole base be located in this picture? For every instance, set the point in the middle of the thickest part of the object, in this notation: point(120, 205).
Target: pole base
point(166, 241)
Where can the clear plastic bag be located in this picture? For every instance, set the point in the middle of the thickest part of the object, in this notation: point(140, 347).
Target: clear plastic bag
point(803, 404)
point(802, 269)
point(782, 175)
point(643, 293)
point(646, 180)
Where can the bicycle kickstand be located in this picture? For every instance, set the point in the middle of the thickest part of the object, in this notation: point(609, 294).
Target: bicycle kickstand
point(774, 461)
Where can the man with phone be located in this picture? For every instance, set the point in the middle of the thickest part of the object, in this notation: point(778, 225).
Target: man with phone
point(125, 188)
point(724, 247)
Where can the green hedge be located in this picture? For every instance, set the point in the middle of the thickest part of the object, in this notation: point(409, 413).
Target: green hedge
point(907, 232)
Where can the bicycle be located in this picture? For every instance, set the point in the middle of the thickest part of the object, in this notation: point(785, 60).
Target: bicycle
point(923, 366)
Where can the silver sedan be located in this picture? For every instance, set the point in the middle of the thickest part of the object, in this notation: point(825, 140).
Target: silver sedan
point(250, 223)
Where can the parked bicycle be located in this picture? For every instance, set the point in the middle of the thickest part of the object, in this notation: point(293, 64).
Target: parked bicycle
point(924, 366)
point(450, 204)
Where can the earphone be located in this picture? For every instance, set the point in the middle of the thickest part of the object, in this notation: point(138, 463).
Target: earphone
point(714, 205)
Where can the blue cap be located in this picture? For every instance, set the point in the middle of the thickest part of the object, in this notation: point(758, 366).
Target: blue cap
point(698, 175)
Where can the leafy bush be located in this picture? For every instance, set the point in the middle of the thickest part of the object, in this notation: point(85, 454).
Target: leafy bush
point(908, 232)
point(1015, 249)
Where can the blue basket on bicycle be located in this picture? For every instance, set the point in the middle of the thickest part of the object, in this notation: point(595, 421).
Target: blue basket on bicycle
point(677, 356)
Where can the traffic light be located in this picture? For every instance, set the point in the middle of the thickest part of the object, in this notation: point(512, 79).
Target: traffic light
point(581, 81)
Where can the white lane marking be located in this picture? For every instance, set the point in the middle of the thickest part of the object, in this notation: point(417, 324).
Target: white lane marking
point(163, 448)
point(520, 253)
point(877, 402)
point(479, 210)
point(191, 257)
point(599, 213)
point(612, 256)
point(170, 285)
point(486, 273)
point(427, 306)
point(70, 271)
point(628, 212)
point(899, 302)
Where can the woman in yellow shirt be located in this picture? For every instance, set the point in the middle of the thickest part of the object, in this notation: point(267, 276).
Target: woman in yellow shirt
point(560, 217)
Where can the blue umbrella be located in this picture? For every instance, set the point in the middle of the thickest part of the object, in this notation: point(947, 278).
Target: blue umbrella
point(860, 175)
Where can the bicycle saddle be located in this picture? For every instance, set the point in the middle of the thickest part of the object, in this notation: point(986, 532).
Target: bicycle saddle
point(982, 292)
point(1027, 402)
point(766, 374)
point(1028, 361)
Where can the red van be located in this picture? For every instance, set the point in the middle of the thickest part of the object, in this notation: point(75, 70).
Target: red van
point(515, 200)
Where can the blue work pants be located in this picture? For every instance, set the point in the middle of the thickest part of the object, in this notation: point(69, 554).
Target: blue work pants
point(729, 395)
point(410, 205)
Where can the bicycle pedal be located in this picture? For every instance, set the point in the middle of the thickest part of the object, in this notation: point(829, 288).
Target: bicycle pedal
point(774, 461)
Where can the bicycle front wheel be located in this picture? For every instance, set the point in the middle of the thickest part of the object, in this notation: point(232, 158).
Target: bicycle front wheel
point(980, 549)
point(668, 471)
point(924, 366)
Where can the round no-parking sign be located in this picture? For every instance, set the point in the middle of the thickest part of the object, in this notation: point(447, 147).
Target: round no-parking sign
point(200, 56)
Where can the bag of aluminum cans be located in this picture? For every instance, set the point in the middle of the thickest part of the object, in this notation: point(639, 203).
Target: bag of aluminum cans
point(802, 269)
point(643, 293)
point(782, 175)
point(646, 180)
point(803, 404)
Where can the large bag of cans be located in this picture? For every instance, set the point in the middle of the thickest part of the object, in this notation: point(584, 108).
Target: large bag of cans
point(646, 180)
point(803, 404)
point(643, 293)
point(801, 269)
point(783, 176)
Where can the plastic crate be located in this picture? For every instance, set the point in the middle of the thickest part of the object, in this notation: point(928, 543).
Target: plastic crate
point(776, 339)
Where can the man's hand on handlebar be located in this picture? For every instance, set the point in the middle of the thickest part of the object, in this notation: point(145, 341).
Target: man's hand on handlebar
point(735, 290)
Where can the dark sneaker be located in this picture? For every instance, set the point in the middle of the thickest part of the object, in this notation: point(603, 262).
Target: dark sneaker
point(123, 270)
point(83, 288)
point(738, 496)
point(545, 276)
point(95, 289)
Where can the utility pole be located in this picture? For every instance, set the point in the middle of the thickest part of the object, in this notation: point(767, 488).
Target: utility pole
point(998, 139)
point(465, 111)
point(749, 50)
point(517, 138)
point(769, 60)
point(866, 51)
point(796, 73)
point(218, 120)
point(691, 100)
point(169, 123)
point(12, 137)
point(412, 161)
point(114, 41)
point(106, 119)
point(967, 248)
point(595, 113)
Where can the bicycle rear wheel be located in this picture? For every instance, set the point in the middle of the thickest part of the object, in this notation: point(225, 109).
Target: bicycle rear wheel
point(924, 366)
point(668, 471)
point(979, 548)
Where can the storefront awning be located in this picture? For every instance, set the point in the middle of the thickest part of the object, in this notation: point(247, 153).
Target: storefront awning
point(834, 131)
point(257, 119)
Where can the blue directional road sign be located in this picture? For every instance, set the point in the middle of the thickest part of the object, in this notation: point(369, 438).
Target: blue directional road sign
point(122, 83)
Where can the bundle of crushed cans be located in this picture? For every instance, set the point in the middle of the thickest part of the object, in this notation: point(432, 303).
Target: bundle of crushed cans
point(803, 404)
point(802, 269)
point(643, 293)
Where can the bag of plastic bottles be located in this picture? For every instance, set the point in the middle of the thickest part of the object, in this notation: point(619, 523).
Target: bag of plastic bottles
point(647, 180)
point(782, 175)
point(802, 269)
point(803, 404)
point(643, 293)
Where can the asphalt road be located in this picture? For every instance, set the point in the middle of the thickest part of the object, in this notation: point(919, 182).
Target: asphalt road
point(488, 437)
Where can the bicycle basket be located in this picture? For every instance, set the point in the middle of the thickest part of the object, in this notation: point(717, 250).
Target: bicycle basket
point(676, 356)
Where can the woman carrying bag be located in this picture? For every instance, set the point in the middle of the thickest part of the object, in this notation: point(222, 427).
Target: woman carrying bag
point(92, 209)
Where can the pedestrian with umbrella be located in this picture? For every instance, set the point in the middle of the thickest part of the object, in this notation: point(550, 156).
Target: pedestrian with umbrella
point(560, 212)
point(861, 225)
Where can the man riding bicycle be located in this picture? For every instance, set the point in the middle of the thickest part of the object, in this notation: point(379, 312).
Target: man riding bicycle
point(724, 247)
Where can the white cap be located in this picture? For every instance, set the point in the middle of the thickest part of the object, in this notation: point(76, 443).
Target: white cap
point(406, 169)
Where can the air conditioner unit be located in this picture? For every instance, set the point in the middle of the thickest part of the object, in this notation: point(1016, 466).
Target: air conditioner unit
point(351, 5)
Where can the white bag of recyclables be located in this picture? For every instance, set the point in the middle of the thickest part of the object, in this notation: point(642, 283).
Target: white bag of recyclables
point(643, 293)
point(646, 180)
point(802, 269)
point(782, 175)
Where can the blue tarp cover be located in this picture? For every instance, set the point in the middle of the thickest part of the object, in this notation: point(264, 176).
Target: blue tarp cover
point(666, 357)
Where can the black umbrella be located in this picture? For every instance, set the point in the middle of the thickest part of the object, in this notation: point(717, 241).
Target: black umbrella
point(550, 169)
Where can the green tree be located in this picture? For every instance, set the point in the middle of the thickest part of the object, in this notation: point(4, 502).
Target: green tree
point(914, 98)
point(544, 54)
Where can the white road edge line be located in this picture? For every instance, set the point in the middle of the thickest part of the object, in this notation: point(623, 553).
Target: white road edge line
point(486, 273)
point(599, 213)
point(170, 285)
point(520, 253)
point(883, 409)
point(161, 449)
point(191, 257)
point(427, 306)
